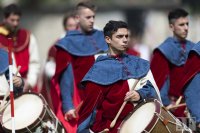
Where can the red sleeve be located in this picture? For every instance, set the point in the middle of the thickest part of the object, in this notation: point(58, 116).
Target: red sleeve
point(62, 61)
point(191, 68)
point(93, 95)
point(52, 52)
point(160, 68)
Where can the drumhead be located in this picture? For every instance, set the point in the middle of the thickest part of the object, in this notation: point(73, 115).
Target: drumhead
point(28, 108)
point(140, 119)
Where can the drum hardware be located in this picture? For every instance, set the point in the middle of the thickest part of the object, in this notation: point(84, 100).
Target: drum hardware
point(28, 130)
point(165, 121)
point(146, 131)
point(38, 118)
point(48, 126)
point(155, 118)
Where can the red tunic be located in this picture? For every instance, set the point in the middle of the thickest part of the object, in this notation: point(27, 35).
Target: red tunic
point(161, 69)
point(191, 68)
point(20, 44)
point(107, 100)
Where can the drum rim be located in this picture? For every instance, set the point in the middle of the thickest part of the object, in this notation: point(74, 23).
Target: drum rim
point(154, 119)
point(37, 121)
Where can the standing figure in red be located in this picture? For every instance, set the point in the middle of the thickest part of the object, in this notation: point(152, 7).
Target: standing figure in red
point(109, 81)
point(189, 84)
point(23, 44)
point(76, 53)
point(169, 58)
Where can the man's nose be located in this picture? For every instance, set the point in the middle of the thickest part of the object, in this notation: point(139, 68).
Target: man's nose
point(15, 23)
point(186, 27)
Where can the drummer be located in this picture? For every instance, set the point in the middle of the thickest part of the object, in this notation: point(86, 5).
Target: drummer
point(190, 82)
point(108, 83)
point(18, 82)
point(4, 76)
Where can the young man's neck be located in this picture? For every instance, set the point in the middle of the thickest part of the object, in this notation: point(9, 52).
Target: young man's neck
point(180, 39)
point(82, 31)
point(114, 52)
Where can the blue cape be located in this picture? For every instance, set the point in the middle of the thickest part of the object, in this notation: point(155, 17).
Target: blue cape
point(173, 51)
point(79, 44)
point(107, 70)
point(4, 63)
point(196, 48)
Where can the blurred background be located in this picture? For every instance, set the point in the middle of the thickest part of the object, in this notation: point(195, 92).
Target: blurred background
point(147, 19)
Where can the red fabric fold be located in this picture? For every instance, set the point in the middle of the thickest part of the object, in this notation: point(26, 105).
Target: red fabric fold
point(191, 68)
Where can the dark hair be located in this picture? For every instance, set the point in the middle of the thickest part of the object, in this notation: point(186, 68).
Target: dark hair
point(175, 14)
point(11, 9)
point(112, 26)
point(67, 16)
point(85, 4)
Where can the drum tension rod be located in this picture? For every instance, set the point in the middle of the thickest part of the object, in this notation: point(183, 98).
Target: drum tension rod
point(165, 121)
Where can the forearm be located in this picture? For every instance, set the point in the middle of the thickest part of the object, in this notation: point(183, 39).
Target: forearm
point(67, 89)
point(147, 91)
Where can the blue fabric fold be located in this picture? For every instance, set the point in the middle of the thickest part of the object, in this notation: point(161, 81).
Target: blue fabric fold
point(196, 48)
point(172, 50)
point(4, 63)
point(79, 44)
point(108, 69)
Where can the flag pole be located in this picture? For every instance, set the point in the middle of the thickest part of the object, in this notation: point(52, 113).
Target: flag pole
point(11, 85)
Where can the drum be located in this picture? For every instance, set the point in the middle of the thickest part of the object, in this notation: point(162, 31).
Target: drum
point(151, 116)
point(32, 114)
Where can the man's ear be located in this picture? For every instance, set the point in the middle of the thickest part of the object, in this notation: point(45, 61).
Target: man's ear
point(171, 26)
point(77, 18)
point(108, 39)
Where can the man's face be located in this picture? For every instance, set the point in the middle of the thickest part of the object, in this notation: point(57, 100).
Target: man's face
point(119, 41)
point(180, 28)
point(12, 20)
point(70, 24)
point(85, 18)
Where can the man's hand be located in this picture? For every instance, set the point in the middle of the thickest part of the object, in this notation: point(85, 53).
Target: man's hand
point(132, 96)
point(71, 114)
point(17, 81)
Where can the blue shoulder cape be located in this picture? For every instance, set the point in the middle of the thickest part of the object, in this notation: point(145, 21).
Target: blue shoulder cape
point(79, 44)
point(173, 51)
point(4, 63)
point(107, 70)
point(196, 48)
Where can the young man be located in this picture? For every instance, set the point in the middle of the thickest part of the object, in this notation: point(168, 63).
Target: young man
point(169, 58)
point(75, 55)
point(108, 83)
point(190, 82)
point(23, 43)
